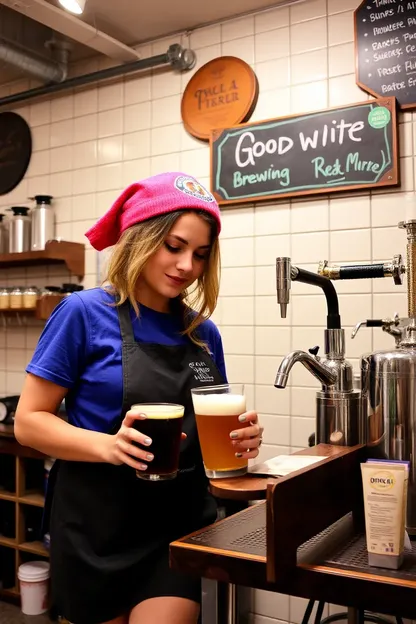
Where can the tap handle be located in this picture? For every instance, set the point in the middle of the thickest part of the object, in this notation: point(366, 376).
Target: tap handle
point(283, 283)
point(314, 350)
point(367, 323)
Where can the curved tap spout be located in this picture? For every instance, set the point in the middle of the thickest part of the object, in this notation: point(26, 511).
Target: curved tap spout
point(325, 375)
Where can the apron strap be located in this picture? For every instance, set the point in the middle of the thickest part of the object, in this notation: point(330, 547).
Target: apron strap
point(126, 326)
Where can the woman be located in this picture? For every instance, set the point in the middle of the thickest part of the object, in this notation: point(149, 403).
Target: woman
point(105, 350)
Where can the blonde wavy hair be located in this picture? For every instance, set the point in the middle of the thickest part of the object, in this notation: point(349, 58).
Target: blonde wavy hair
point(134, 248)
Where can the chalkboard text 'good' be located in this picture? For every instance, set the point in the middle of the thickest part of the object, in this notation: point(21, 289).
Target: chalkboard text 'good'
point(385, 47)
point(330, 150)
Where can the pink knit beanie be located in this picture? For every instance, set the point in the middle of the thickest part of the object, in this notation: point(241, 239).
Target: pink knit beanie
point(149, 198)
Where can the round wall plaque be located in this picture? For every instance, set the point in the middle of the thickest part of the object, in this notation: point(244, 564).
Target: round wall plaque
point(15, 150)
point(221, 94)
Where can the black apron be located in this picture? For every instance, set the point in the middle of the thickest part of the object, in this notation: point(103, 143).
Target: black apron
point(108, 528)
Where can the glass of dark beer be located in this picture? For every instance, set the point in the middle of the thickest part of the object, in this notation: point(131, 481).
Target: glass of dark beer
point(163, 426)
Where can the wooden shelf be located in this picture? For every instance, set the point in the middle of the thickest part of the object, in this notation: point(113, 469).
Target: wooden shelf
point(36, 548)
point(55, 252)
point(18, 310)
point(9, 542)
point(8, 496)
point(13, 592)
point(44, 308)
point(35, 500)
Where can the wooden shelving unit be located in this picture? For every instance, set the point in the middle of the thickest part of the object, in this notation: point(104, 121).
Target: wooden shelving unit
point(23, 495)
point(43, 310)
point(25, 498)
point(55, 252)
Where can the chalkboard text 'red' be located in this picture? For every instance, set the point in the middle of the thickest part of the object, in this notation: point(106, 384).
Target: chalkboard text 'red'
point(217, 95)
point(353, 162)
point(248, 149)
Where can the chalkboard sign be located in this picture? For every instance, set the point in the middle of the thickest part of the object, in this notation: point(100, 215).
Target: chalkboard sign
point(351, 147)
point(15, 150)
point(385, 48)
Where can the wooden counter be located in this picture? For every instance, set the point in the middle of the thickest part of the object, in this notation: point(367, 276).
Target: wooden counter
point(331, 567)
point(6, 431)
point(306, 540)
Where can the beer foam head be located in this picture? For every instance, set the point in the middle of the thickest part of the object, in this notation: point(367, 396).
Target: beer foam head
point(159, 411)
point(219, 404)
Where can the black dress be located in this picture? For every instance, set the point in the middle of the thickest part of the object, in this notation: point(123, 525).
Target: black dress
point(110, 531)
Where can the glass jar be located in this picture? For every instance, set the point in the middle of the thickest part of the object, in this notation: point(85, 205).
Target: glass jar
point(16, 298)
point(30, 297)
point(4, 298)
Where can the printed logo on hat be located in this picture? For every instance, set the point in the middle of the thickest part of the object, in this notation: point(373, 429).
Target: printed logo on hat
point(190, 186)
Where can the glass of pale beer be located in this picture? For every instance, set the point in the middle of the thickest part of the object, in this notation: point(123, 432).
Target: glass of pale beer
point(163, 426)
point(217, 409)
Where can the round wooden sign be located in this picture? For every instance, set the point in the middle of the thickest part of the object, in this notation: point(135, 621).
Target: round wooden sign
point(15, 150)
point(222, 93)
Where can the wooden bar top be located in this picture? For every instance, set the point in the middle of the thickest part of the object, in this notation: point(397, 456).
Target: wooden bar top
point(251, 487)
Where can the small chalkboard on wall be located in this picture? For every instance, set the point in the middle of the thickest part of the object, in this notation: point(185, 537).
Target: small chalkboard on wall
point(385, 48)
point(15, 150)
point(351, 147)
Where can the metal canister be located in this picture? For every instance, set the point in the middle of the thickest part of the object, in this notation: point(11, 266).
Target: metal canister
point(4, 235)
point(19, 238)
point(389, 402)
point(43, 222)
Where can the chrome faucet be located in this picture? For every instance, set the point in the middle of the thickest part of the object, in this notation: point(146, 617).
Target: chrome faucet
point(324, 374)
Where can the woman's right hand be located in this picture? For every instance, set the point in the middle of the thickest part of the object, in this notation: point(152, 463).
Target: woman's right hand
point(122, 447)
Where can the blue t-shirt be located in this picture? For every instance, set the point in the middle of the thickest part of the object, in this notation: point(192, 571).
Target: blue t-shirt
point(80, 349)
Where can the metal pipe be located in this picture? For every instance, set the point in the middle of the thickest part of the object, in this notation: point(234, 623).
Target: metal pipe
point(176, 56)
point(410, 227)
point(307, 277)
point(42, 69)
point(394, 269)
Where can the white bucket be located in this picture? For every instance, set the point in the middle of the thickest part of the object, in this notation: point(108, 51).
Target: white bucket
point(33, 579)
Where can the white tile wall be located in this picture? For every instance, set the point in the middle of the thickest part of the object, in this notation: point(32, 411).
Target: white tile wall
point(89, 145)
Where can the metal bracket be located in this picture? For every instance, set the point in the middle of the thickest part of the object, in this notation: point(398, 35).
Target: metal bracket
point(181, 58)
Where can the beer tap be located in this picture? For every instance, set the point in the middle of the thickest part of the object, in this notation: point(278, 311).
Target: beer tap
point(338, 414)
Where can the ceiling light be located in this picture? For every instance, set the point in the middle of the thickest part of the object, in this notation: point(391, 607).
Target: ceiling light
point(74, 6)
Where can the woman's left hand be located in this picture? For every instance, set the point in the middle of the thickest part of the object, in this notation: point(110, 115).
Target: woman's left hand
point(247, 440)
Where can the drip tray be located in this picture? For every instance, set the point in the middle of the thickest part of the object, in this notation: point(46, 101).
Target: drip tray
point(353, 556)
point(244, 532)
point(336, 547)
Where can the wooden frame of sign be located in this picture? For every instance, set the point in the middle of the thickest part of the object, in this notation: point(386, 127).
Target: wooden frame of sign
point(345, 148)
point(386, 66)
